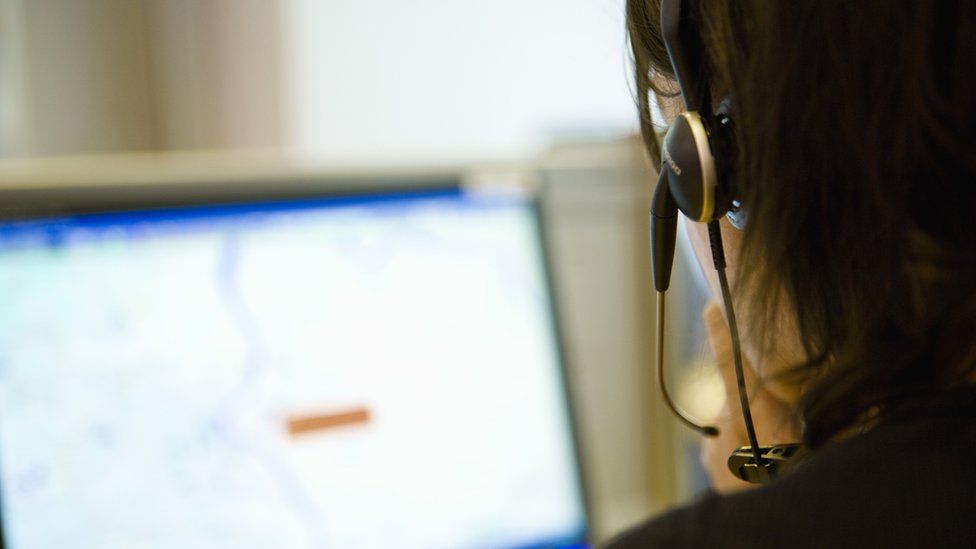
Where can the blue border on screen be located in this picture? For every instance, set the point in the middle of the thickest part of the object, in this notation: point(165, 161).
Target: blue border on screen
point(9, 228)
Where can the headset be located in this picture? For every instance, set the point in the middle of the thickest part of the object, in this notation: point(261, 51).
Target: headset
point(695, 178)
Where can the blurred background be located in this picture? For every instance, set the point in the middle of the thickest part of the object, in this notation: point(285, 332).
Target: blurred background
point(341, 81)
point(527, 94)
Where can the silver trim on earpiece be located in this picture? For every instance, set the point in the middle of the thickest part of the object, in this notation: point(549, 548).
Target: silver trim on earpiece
point(706, 164)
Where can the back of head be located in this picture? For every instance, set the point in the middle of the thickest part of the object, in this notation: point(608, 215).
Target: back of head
point(856, 159)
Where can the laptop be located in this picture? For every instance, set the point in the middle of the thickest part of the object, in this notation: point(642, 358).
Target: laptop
point(324, 364)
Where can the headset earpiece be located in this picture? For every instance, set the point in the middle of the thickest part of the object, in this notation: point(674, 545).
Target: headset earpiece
point(690, 167)
point(697, 155)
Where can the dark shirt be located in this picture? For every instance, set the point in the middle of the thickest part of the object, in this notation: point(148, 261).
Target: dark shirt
point(909, 482)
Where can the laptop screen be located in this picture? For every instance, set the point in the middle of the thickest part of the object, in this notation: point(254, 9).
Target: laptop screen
point(376, 371)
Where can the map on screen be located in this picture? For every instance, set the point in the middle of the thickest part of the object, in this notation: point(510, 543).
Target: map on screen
point(367, 372)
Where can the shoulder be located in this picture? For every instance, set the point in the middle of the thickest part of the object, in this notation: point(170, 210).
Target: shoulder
point(678, 528)
point(908, 484)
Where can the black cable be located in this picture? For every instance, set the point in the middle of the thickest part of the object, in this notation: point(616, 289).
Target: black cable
point(705, 430)
point(718, 258)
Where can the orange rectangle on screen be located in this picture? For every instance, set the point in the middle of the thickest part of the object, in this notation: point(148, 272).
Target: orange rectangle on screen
point(301, 425)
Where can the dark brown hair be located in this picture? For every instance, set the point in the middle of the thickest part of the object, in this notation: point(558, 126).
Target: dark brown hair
point(856, 158)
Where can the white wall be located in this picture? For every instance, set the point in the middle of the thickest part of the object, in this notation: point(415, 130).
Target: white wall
point(450, 80)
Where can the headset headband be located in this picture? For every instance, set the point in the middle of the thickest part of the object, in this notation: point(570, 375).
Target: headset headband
point(686, 52)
